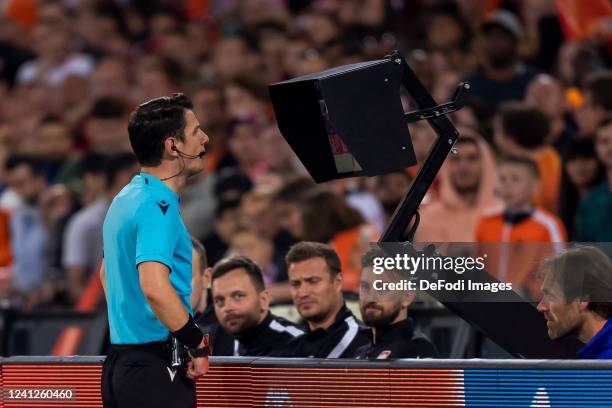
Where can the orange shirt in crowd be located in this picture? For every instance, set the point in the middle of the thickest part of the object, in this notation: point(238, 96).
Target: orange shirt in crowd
point(351, 245)
point(520, 246)
point(549, 165)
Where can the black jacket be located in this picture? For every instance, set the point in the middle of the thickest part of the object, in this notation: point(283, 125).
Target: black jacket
point(265, 339)
point(340, 340)
point(399, 341)
point(207, 318)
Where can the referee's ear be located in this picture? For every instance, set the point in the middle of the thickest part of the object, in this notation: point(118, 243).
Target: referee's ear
point(170, 147)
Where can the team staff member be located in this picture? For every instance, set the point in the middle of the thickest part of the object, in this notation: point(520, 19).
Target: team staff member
point(332, 331)
point(201, 297)
point(577, 299)
point(393, 334)
point(242, 305)
point(146, 272)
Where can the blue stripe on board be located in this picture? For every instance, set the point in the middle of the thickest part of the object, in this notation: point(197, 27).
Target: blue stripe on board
point(538, 388)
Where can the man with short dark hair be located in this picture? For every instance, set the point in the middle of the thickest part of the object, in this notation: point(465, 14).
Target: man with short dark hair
point(315, 277)
point(502, 76)
point(577, 299)
point(393, 332)
point(242, 305)
point(146, 273)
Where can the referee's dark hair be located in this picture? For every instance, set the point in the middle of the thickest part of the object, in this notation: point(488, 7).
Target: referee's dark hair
point(155, 121)
point(239, 262)
point(303, 251)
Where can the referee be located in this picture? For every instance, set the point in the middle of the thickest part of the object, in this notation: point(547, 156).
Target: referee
point(146, 272)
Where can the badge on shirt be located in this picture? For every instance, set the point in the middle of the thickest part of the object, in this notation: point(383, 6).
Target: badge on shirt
point(384, 354)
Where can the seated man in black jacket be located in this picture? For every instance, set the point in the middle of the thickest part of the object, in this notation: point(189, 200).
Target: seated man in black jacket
point(332, 331)
point(246, 326)
point(201, 297)
point(386, 312)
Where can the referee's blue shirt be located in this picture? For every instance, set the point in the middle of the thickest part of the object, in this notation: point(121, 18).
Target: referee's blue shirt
point(143, 224)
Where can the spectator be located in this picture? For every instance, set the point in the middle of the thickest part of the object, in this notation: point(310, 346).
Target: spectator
point(93, 175)
point(276, 151)
point(245, 98)
point(582, 171)
point(596, 104)
point(106, 127)
point(390, 189)
point(501, 77)
point(545, 93)
point(55, 62)
point(594, 218)
point(156, 76)
point(110, 79)
point(521, 131)
point(361, 199)
point(53, 145)
point(328, 218)
point(259, 216)
point(229, 187)
point(26, 177)
point(519, 221)
point(288, 202)
point(232, 58)
point(243, 144)
point(466, 188)
point(450, 35)
point(209, 105)
point(83, 237)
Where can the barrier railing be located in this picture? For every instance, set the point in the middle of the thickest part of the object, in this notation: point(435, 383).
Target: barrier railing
point(261, 382)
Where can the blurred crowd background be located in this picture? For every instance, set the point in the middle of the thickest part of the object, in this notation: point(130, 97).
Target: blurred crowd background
point(71, 71)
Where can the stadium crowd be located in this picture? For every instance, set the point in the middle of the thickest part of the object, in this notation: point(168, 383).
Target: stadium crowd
point(534, 158)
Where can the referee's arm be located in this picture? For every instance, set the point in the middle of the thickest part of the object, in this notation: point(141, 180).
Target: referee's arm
point(161, 295)
point(168, 308)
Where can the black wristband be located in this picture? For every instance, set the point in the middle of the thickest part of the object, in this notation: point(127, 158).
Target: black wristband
point(203, 351)
point(190, 334)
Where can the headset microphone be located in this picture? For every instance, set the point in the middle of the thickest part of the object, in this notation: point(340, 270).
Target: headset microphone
point(185, 155)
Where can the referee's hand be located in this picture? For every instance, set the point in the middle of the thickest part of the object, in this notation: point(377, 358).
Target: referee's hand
point(197, 367)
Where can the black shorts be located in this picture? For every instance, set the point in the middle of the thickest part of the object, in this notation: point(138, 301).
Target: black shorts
point(141, 376)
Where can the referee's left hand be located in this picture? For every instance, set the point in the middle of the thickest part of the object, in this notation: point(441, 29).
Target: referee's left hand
point(197, 367)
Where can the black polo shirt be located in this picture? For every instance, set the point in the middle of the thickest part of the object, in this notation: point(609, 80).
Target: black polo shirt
point(340, 340)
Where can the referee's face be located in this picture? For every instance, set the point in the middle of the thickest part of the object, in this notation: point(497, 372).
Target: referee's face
point(238, 304)
point(194, 144)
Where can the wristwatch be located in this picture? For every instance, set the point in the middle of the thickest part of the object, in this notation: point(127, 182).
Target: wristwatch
point(203, 351)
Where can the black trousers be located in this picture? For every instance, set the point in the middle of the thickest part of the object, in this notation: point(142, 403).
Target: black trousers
point(136, 376)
